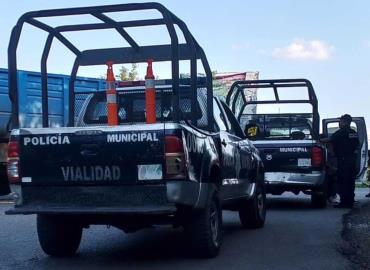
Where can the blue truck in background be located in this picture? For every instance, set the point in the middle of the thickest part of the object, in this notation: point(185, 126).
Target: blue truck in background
point(29, 84)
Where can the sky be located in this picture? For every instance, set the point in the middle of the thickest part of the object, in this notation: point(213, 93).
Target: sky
point(327, 42)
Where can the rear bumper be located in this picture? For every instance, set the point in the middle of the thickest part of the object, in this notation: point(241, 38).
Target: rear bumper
point(132, 210)
point(159, 199)
point(284, 180)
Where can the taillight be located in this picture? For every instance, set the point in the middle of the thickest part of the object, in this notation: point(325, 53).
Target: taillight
point(13, 162)
point(175, 157)
point(317, 157)
point(13, 149)
point(173, 144)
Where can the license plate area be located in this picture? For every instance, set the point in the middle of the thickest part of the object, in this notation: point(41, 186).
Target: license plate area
point(149, 172)
point(304, 162)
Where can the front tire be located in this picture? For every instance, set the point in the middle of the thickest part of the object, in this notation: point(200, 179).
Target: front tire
point(252, 213)
point(58, 236)
point(204, 228)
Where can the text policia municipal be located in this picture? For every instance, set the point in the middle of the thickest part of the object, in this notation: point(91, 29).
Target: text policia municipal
point(111, 138)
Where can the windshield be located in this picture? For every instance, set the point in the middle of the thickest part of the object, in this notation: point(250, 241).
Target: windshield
point(277, 127)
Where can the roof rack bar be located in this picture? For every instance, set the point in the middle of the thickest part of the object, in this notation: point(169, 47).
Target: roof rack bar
point(189, 51)
point(293, 101)
point(130, 55)
point(167, 17)
point(272, 85)
point(58, 35)
point(279, 83)
point(119, 29)
point(193, 65)
point(88, 10)
point(71, 94)
point(100, 26)
point(201, 81)
point(274, 81)
point(12, 76)
point(275, 91)
point(207, 69)
point(239, 86)
point(44, 81)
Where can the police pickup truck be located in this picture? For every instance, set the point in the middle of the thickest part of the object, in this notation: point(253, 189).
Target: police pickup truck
point(288, 142)
point(182, 170)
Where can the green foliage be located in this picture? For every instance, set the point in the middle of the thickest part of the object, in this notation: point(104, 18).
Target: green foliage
point(122, 76)
point(214, 73)
point(132, 75)
point(127, 75)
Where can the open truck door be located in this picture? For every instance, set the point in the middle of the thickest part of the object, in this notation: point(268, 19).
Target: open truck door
point(331, 125)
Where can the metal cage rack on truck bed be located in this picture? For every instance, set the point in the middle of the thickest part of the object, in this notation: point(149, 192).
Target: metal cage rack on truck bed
point(174, 52)
point(237, 100)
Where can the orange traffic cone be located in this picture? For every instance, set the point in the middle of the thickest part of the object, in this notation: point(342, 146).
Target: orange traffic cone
point(111, 96)
point(150, 94)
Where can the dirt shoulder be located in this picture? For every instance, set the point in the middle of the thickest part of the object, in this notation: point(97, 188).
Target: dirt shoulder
point(356, 236)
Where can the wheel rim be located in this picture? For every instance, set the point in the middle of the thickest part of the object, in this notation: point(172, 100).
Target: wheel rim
point(215, 223)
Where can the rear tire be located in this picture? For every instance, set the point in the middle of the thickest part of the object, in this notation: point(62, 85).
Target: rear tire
point(252, 213)
point(204, 228)
point(58, 236)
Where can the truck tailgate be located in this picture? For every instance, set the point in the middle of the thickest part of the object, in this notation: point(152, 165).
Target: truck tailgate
point(92, 156)
point(286, 156)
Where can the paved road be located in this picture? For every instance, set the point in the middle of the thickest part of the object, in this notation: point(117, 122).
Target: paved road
point(295, 237)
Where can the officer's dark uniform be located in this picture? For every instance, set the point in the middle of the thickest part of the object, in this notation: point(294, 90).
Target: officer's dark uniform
point(345, 143)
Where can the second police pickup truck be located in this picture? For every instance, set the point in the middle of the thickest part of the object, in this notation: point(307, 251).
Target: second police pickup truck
point(289, 142)
point(183, 169)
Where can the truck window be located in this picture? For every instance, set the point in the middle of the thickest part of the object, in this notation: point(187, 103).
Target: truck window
point(281, 126)
point(131, 108)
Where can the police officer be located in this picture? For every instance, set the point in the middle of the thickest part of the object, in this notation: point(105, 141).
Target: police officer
point(345, 145)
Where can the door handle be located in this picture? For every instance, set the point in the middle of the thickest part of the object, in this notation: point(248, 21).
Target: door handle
point(223, 142)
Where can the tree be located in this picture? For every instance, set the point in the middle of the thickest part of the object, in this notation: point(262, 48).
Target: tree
point(132, 75)
point(122, 76)
point(214, 73)
point(126, 75)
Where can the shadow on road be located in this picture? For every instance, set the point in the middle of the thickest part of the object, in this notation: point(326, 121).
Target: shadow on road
point(102, 248)
point(166, 246)
point(289, 203)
